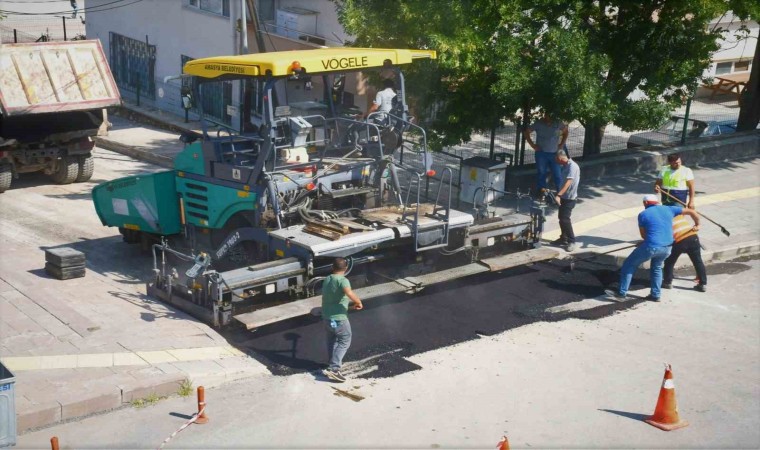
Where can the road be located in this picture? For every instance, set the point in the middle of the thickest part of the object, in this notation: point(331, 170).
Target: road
point(572, 383)
point(533, 352)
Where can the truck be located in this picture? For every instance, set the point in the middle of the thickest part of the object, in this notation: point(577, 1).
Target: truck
point(246, 225)
point(53, 97)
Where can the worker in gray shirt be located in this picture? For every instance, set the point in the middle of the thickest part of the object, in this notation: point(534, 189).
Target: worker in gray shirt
point(566, 198)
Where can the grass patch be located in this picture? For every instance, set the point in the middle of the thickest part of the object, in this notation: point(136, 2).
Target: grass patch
point(151, 399)
point(185, 388)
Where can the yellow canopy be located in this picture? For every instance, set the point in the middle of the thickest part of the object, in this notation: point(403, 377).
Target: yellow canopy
point(313, 61)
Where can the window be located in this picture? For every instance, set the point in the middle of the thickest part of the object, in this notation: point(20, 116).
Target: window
point(723, 67)
point(266, 10)
point(741, 66)
point(221, 7)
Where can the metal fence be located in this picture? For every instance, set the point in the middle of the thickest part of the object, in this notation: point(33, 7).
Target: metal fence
point(133, 64)
point(40, 30)
point(721, 107)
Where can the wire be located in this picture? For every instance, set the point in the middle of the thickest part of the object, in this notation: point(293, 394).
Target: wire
point(91, 9)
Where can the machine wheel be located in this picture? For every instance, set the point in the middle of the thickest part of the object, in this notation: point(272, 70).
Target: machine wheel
point(86, 168)
point(6, 176)
point(68, 168)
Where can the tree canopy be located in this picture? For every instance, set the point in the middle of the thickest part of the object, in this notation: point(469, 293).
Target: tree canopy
point(624, 62)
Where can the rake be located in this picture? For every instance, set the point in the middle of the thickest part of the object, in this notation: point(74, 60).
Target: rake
point(722, 228)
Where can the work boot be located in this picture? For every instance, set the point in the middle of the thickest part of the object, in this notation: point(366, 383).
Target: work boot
point(334, 375)
point(615, 295)
point(558, 242)
point(701, 288)
point(667, 285)
point(652, 298)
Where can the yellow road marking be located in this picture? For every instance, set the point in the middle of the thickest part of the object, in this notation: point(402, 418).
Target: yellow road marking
point(585, 225)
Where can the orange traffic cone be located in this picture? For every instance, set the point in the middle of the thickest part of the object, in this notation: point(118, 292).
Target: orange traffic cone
point(665, 415)
point(503, 443)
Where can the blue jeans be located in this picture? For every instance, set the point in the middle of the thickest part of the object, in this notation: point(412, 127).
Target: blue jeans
point(338, 341)
point(544, 163)
point(642, 253)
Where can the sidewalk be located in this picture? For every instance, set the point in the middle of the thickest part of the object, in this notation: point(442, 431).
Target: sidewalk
point(112, 355)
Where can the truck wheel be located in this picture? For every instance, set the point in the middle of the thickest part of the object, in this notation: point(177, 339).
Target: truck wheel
point(86, 168)
point(68, 168)
point(6, 175)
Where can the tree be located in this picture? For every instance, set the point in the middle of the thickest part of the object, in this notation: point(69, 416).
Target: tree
point(624, 62)
point(749, 115)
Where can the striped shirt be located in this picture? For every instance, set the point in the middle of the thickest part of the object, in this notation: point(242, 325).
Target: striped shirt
point(682, 228)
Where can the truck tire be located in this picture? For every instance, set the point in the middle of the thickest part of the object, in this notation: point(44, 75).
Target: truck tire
point(68, 168)
point(86, 168)
point(6, 176)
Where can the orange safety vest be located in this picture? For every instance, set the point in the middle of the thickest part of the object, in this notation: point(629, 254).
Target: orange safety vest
point(682, 228)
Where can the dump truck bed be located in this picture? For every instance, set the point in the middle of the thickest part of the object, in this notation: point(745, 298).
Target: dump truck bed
point(49, 77)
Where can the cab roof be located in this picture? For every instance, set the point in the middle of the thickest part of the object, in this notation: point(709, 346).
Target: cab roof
point(323, 60)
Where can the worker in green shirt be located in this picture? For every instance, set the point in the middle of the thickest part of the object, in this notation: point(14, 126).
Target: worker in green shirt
point(336, 297)
point(676, 180)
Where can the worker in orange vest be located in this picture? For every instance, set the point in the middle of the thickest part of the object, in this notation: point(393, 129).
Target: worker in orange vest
point(685, 240)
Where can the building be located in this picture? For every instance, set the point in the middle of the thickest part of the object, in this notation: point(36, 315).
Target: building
point(150, 40)
point(735, 54)
point(42, 21)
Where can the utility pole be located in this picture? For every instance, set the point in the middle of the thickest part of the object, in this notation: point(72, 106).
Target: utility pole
point(243, 28)
point(256, 26)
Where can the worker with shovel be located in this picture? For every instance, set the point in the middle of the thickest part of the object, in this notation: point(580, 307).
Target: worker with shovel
point(686, 241)
point(565, 198)
point(656, 228)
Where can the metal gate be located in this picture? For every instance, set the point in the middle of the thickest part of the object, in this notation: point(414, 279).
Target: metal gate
point(215, 97)
point(133, 64)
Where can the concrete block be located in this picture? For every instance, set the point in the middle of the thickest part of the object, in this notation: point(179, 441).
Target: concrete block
point(201, 353)
point(156, 357)
point(58, 362)
point(21, 363)
point(32, 415)
point(95, 360)
point(161, 385)
point(128, 359)
point(90, 401)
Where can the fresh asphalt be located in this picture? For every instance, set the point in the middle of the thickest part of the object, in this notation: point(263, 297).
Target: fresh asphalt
point(391, 329)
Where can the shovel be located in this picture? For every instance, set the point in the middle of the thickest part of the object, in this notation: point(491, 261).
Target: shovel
point(572, 263)
point(722, 228)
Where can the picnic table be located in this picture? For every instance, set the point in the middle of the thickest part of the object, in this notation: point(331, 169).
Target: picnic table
point(730, 84)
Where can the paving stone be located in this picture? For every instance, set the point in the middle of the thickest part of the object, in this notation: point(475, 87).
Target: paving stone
point(128, 359)
point(242, 363)
point(5, 287)
point(58, 362)
point(195, 369)
point(21, 363)
point(95, 360)
point(155, 357)
point(201, 353)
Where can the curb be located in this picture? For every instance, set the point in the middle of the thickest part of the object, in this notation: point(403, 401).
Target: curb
point(139, 153)
point(709, 256)
point(106, 398)
point(96, 400)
